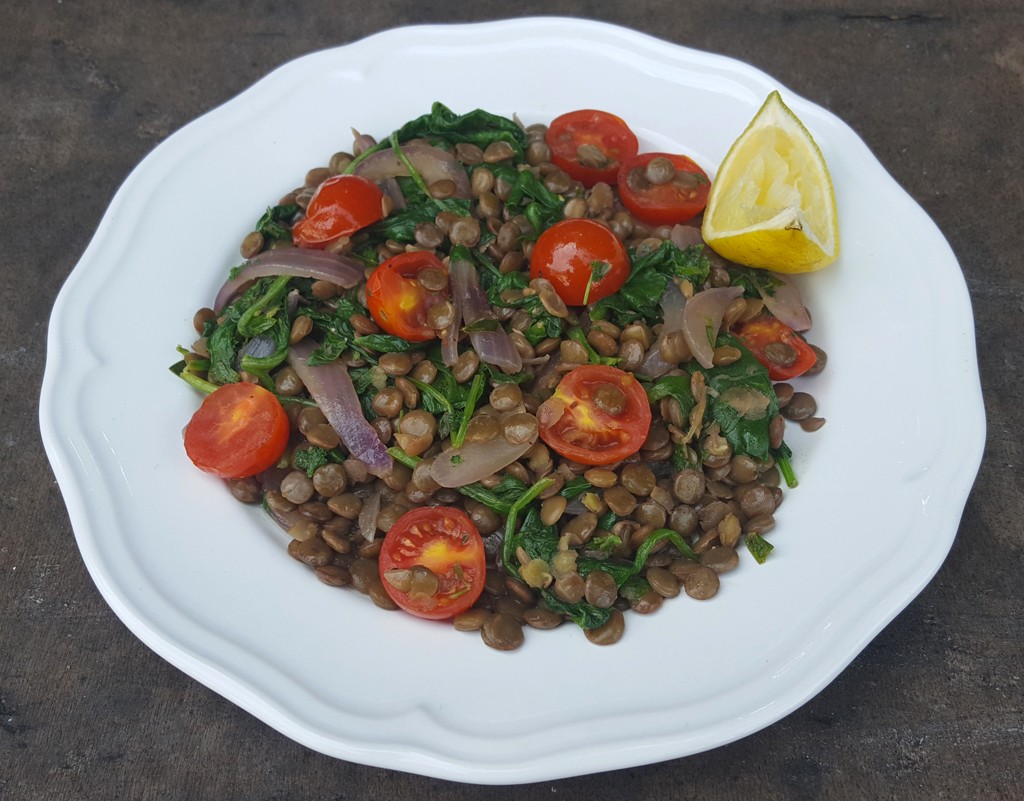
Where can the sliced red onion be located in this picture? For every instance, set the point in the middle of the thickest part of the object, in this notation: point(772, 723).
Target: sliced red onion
point(367, 521)
point(493, 347)
point(672, 305)
point(456, 467)
point(653, 365)
point(258, 347)
point(433, 163)
point(686, 236)
point(361, 142)
point(390, 187)
point(702, 318)
point(332, 389)
point(299, 262)
point(450, 336)
point(786, 304)
point(547, 377)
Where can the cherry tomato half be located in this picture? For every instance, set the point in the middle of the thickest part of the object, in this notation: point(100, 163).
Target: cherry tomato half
point(582, 259)
point(605, 139)
point(432, 562)
point(776, 346)
point(398, 301)
point(239, 430)
point(340, 206)
point(597, 415)
point(673, 197)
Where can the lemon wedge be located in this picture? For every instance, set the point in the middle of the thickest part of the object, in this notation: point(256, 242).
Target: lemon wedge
point(773, 204)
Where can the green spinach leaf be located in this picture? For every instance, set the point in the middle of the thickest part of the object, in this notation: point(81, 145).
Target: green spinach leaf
point(583, 614)
point(276, 223)
point(384, 343)
point(640, 296)
point(742, 401)
point(623, 571)
point(755, 283)
point(257, 311)
point(575, 487)
point(529, 197)
point(479, 127)
point(672, 386)
point(759, 547)
point(499, 499)
point(310, 459)
point(334, 330)
point(400, 225)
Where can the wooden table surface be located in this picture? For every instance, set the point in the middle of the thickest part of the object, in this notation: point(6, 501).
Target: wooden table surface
point(932, 708)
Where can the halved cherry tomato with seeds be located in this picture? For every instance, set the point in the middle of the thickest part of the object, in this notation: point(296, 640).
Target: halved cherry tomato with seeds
point(398, 300)
point(582, 259)
point(677, 193)
point(777, 346)
point(597, 415)
point(238, 431)
point(433, 563)
point(341, 205)
point(589, 145)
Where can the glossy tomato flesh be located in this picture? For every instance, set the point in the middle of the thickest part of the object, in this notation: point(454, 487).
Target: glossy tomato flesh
point(576, 423)
point(759, 333)
point(239, 430)
point(398, 302)
point(590, 129)
point(678, 200)
point(341, 205)
point(445, 541)
point(582, 259)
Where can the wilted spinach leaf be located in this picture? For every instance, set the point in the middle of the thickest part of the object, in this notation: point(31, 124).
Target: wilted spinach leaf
point(742, 401)
point(479, 127)
point(640, 296)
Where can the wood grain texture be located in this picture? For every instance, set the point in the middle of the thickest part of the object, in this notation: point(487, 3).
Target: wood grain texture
point(934, 706)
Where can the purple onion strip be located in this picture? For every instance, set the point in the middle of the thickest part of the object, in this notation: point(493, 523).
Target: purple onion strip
point(332, 389)
point(786, 304)
point(493, 347)
point(702, 318)
point(299, 262)
point(672, 305)
point(431, 162)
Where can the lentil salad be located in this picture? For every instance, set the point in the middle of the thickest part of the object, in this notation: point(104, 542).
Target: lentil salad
point(587, 436)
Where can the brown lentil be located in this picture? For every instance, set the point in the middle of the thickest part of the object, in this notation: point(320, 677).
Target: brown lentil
point(502, 632)
point(701, 583)
point(333, 575)
point(609, 633)
point(662, 582)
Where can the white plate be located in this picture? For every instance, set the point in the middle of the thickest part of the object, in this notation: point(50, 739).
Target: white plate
point(206, 583)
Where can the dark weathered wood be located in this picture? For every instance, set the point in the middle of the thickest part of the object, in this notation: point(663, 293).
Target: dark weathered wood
point(933, 708)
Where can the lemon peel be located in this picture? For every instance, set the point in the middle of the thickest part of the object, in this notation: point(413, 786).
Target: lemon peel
point(772, 204)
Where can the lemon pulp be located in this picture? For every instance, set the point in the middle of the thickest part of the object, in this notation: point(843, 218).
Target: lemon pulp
point(772, 204)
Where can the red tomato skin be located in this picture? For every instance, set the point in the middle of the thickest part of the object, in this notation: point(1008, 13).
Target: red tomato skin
point(756, 334)
point(341, 205)
point(667, 204)
point(448, 532)
point(397, 302)
point(591, 127)
point(564, 253)
point(571, 409)
point(238, 431)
